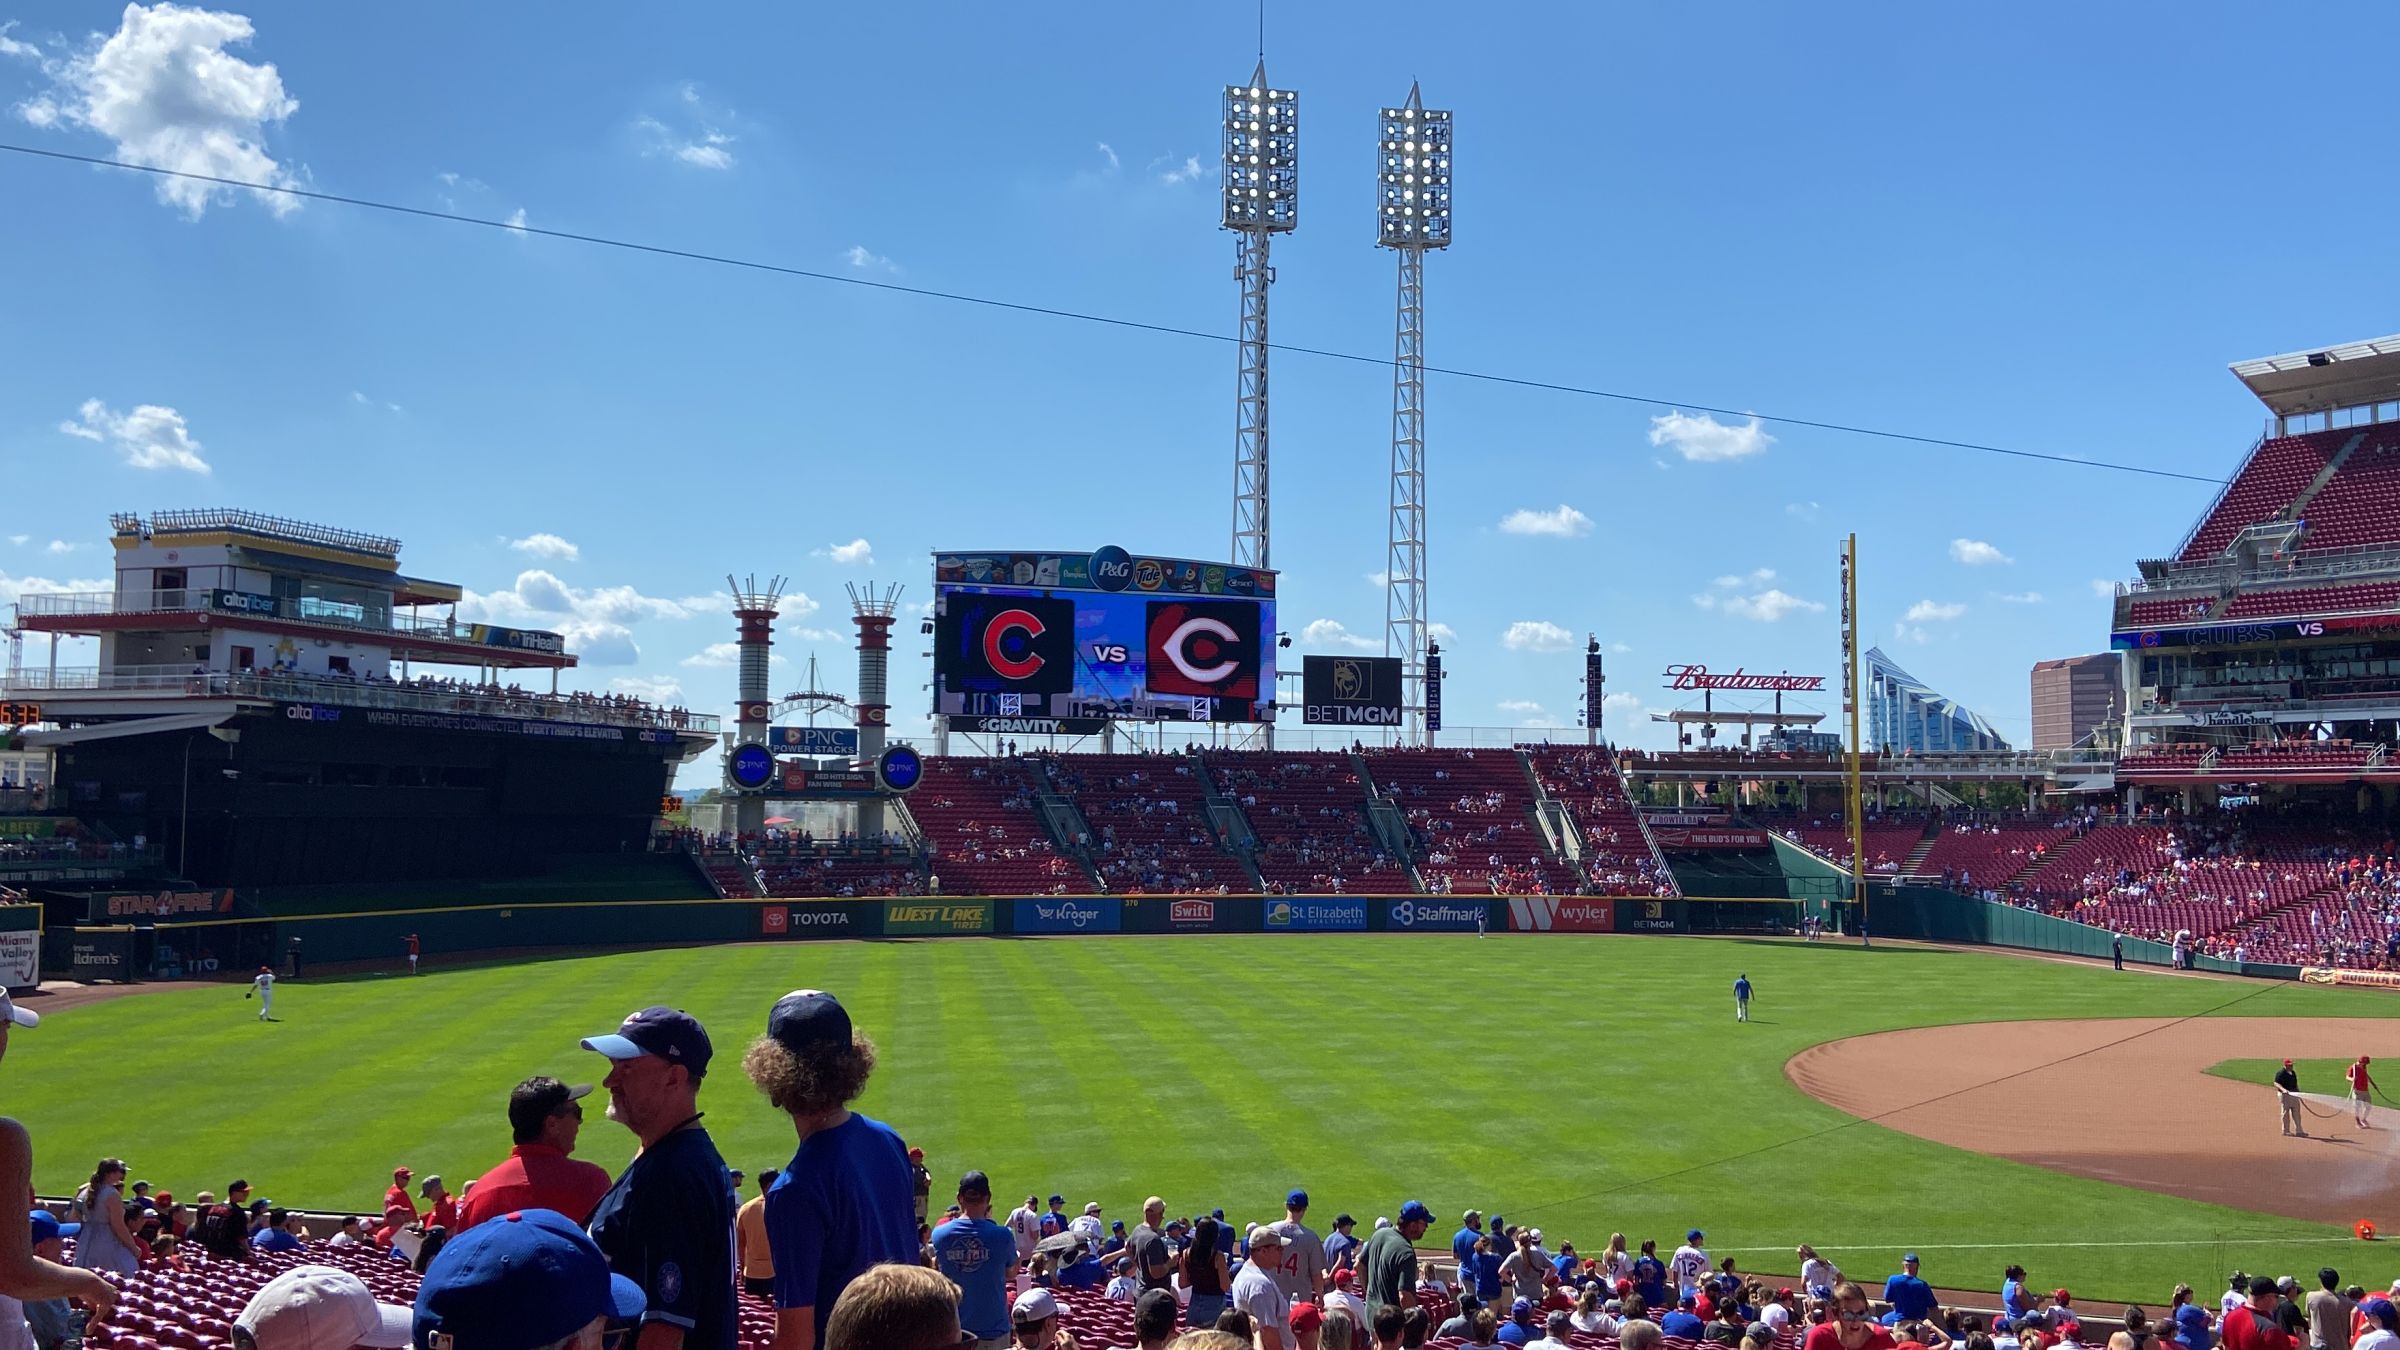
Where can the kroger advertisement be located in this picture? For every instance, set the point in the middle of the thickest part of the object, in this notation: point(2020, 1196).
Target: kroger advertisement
point(1103, 635)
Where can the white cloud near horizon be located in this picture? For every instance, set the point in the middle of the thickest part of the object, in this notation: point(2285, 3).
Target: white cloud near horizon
point(855, 553)
point(1536, 635)
point(547, 545)
point(1976, 553)
point(1930, 611)
point(1334, 633)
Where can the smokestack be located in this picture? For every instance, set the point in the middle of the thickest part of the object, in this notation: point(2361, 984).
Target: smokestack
point(754, 610)
point(873, 615)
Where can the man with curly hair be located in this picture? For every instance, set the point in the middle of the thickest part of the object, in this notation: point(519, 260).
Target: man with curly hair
point(847, 1201)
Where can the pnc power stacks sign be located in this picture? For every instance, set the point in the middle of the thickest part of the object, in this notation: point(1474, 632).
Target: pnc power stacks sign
point(1350, 691)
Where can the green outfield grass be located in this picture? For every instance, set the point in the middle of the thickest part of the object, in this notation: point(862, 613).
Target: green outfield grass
point(1583, 1085)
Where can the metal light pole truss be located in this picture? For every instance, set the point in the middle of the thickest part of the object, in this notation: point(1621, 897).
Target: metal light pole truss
point(1261, 199)
point(1413, 215)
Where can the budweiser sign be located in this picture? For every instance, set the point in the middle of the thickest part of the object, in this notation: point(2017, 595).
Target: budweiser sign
point(1698, 677)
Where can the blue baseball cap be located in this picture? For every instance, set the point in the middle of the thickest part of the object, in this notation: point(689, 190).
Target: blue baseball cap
point(1521, 1309)
point(521, 1280)
point(46, 1226)
point(1694, 1236)
point(1910, 1259)
point(804, 1019)
point(1298, 1199)
point(669, 1033)
point(1413, 1212)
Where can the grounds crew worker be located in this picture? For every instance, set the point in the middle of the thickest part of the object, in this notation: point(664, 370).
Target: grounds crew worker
point(2287, 1093)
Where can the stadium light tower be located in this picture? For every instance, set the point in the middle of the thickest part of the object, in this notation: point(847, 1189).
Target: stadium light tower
point(1261, 200)
point(1412, 215)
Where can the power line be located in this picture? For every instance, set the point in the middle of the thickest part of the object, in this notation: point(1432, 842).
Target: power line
point(1081, 316)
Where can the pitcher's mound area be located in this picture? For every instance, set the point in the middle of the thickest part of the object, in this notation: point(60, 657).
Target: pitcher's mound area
point(2134, 1106)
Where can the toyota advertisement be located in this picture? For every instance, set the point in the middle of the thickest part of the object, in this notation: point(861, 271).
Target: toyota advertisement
point(1135, 645)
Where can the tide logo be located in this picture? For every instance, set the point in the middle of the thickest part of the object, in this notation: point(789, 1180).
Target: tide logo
point(1203, 648)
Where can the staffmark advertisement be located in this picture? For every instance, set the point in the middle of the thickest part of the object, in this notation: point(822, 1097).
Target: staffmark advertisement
point(1302, 914)
point(936, 916)
point(1435, 915)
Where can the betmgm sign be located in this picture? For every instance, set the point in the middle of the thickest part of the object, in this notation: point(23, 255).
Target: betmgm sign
point(1350, 691)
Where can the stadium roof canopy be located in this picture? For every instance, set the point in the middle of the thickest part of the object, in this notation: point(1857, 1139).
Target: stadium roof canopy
point(2348, 376)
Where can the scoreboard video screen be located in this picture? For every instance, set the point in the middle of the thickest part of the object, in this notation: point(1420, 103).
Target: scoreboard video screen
point(1083, 638)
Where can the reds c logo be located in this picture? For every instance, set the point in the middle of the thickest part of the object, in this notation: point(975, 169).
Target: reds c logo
point(996, 644)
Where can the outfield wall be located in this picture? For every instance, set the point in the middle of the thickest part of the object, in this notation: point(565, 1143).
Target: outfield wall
point(239, 945)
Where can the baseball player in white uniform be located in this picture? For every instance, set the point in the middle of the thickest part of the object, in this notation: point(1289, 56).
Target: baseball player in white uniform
point(263, 985)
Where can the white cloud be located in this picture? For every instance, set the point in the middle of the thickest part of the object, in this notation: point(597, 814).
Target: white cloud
point(1905, 632)
point(12, 587)
point(1181, 173)
point(2106, 590)
point(1767, 606)
point(1536, 635)
point(59, 546)
point(545, 545)
point(1518, 705)
point(1441, 632)
point(2018, 597)
point(1804, 510)
point(699, 141)
point(1976, 553)
point(1757, 577)
point(595, 621)
point(1332, 633)
point(1621, 648)
point(516, 220)
point(1379, 580)
point(150, 436)
point(1111, 152)
point(726, 655)
point(1564, 523)
point(1928, 611)
point(11, 47)
point(860, 258)
point(856, 552)
point(661, 689)
point(164, 88)
point(1704, 439)
point(20, 540)
point(1620, 702)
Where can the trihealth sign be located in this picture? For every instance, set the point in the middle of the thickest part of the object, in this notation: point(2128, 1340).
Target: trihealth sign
point(1068, 916)
point(1311, 915)
point(936, 916)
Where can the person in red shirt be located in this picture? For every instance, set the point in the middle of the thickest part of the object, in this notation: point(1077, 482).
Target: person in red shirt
point(2360, 1083)
point(398, 1210)
point(413, 948)
point(1851, 1326)
point(544, 1115)
point(2254, 1326)
point(441, 1208)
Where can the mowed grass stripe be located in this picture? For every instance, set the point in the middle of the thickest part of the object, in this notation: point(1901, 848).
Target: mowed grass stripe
point(1523, 1074)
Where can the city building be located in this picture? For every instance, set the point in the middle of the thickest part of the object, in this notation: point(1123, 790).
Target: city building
point(1905, 715)
point(2074, 697)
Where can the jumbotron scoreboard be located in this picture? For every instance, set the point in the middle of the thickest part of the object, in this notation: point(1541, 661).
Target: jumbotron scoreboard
point(1062, 643)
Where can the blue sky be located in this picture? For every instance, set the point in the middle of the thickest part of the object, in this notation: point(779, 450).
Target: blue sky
point(2047, 227)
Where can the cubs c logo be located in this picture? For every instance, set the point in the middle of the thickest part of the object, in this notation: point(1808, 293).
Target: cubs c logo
point(996, 644)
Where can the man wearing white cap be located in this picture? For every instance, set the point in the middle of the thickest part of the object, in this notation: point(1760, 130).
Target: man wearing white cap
point(23, 1275)
point(320, 1308)
point(1087, 1226)
point(1033, 1322)
point(1256, 1291)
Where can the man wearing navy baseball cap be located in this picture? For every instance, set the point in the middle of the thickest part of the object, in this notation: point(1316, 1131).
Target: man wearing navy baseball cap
point(1300, 1268)
point(667, 1223)
point(848, 1199)
point(1388, 1263)
point(527, 1279)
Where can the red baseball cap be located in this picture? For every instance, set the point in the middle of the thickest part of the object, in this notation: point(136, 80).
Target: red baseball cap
point(1305, 1317)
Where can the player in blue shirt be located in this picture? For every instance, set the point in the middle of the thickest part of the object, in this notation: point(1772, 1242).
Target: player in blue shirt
point(1741, 998)
point(1911, 1298)
point(848, 1199)
point(979, 1255)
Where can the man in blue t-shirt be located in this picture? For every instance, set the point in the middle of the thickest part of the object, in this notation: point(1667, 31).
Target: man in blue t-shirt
point(1741, 998)
point(1682, 1322)
point(667, 1223)
point(1462, 1242)
point(1911, 1298)
point(979, 1256)
point(848, 1200)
